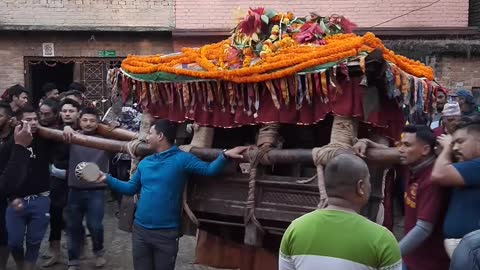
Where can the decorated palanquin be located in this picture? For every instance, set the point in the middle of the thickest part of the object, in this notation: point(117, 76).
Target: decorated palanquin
point(276, 70)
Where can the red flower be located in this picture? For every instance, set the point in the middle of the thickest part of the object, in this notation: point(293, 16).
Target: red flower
point(252, 21)
point(347, 25)
point(310, 32)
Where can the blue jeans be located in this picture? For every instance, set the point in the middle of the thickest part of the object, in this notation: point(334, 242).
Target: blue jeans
point(467, 253)
point(32, 222)
point(89, 204)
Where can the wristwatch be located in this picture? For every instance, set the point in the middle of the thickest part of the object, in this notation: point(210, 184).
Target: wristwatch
point(223, 153)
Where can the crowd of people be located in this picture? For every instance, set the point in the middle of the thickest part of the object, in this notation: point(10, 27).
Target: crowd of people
point(441, 201)
point(40, 188)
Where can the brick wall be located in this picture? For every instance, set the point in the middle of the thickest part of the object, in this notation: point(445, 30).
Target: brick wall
point(15, 46)
point(458, 72)
point(474, 13)
point(88, 13)
point(366, 13)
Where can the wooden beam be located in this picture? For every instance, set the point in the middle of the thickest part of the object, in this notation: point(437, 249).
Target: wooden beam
point(275, 156)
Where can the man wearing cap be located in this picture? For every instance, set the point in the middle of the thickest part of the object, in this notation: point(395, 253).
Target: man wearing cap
point(450, 118)
point(467, 103)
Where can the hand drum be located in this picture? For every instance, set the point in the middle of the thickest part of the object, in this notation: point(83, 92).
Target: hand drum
point(87, 171)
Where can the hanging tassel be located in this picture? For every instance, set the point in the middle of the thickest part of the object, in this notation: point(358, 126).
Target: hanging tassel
point(126, 85)
point(210, 99)
point(300, 92)
point(311, 86)
point(292, 87)
point(231, 97)
point(250, 97)
point(154, 93)
point(179, 92)
point(364, 81)
point(257, 99)
point(143, 94)
point(344, 70)
point(273, 93)
point(318, 86)
point(415, 89)
point(285, 92)
point(162, 90)
point(334, 82)
point(238, 95)
point(307, 90)
point(169, 93)
point(278, 88)
point(323, 77)
point(220, 94)
point(185, 88)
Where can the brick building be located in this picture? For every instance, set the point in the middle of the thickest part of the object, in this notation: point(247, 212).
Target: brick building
point(66, 40)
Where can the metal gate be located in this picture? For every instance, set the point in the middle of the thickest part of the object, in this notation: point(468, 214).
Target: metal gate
point(93, 75)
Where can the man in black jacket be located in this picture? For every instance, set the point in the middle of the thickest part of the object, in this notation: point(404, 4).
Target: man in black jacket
point(13, 166)
point(6, 143)
point(28, 214)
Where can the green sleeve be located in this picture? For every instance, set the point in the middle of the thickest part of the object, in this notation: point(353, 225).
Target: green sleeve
point(285, 246)
point(389, 257)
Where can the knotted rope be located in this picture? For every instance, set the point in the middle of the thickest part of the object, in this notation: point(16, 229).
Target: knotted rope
point(344, 130)
point(202, 137)
point(268, 138)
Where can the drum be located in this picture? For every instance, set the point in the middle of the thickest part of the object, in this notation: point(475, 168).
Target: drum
point(87, 171)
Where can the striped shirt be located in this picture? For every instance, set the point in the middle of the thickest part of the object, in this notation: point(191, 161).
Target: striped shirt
point(338, 240)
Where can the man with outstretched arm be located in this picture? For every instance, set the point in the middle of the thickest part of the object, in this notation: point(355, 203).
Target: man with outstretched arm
point(463, 213)
point(160, 179)
point(425, 201)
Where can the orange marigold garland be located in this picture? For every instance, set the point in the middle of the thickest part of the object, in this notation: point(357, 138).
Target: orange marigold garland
point(268, 45)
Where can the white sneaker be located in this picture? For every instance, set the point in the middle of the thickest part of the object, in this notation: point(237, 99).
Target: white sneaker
point(100, 262)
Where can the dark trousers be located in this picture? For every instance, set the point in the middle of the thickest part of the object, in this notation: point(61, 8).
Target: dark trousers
point(89, 204)
point(154, 249)
point(3, 226)
point(58, 201)
point(30, 222)
point(120, 170)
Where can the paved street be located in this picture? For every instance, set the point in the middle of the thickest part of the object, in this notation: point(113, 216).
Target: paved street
point(118, 249)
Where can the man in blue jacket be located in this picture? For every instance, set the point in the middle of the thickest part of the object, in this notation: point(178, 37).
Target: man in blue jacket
point(160, 179)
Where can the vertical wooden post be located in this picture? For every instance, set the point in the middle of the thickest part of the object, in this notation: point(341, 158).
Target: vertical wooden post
point(374, 209)
point(145, 124)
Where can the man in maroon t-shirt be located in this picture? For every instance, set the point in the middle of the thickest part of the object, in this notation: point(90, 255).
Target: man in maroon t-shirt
point(425, 203)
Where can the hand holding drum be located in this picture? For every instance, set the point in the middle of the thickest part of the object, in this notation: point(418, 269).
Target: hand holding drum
point(88, 171)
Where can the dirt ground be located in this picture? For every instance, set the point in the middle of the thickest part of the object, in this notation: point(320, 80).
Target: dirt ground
point(119, 250)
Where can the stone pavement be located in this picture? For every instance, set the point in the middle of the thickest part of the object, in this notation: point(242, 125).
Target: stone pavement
point(119, 250)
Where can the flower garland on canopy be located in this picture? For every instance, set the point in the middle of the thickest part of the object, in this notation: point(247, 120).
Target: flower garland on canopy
point(267, 45)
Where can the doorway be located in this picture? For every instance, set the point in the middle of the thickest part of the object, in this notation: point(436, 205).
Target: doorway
point(42, 72)
point(90, 71)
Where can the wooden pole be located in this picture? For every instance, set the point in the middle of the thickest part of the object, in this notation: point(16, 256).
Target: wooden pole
point(116, 133)
point(94, 142)
point(275, 156)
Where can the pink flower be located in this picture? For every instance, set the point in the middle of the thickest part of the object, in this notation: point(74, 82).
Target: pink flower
point(310, 32)
point(252, 21)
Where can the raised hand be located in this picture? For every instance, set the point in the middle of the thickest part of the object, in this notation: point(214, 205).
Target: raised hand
point(445, 141)
point(23, 134)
